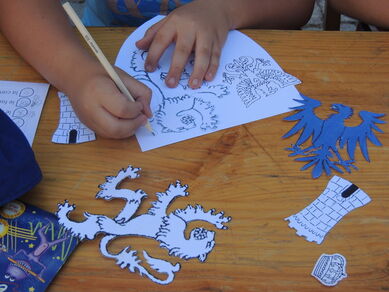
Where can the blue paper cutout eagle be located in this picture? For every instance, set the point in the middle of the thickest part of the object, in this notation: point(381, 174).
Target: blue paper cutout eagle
point(328, 134)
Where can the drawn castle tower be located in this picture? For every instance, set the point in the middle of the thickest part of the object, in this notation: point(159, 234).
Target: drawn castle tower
point(70, 129)
point(338, 199)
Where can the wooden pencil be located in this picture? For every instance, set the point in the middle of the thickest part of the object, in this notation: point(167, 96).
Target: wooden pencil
point(99, 54)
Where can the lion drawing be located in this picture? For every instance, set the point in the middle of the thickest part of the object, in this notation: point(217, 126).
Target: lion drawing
point(167, 229)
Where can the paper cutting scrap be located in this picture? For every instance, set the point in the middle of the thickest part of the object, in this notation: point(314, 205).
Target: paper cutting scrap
point(166, 228)
point(328, 134)
point(338, 199)
point(330, 269)
point(70, 129)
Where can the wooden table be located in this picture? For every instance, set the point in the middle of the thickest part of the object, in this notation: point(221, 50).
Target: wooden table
point(243, 171)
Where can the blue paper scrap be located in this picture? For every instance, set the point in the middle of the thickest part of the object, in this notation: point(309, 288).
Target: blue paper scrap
point(329, 135)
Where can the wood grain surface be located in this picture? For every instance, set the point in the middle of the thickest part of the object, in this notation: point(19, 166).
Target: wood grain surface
point(243, 171)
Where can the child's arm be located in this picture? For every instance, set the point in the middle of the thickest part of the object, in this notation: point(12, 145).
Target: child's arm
point(41, 33)
point(202, 26)
point(375, 12)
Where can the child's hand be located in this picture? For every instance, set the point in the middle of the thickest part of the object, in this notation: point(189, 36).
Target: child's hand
point(103, 108)
point(200, 27)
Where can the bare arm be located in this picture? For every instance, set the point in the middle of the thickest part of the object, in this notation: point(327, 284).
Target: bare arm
point(41, 33)
point(375, 12)
point(269, 14)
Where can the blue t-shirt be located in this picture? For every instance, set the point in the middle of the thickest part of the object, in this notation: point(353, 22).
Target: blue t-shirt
point(126, 12)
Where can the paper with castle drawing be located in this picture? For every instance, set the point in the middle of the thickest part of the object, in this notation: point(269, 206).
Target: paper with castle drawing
point(248, 86)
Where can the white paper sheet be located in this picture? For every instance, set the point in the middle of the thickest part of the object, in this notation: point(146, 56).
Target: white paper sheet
point(23, 103)
point(249, 86)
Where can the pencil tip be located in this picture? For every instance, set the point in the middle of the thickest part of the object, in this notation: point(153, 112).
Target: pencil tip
point(149, 128)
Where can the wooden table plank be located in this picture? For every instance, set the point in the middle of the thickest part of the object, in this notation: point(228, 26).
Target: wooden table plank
point(243, 171)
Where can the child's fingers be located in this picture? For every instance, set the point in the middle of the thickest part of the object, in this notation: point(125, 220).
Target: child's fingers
point(122, 108)
point(162, 39)
point(146, 105)
point(202, 58)
point(214, 62)
point(138, 90)
point(110, 126)
point(182, 51)
point(143, 95)
point(145, 42)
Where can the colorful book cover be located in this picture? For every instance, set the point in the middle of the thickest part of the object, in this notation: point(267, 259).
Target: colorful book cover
point(33, 247)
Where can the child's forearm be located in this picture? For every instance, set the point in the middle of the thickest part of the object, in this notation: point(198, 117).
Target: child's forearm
point(40, 32)
point(375, 12)
point(276, 14)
